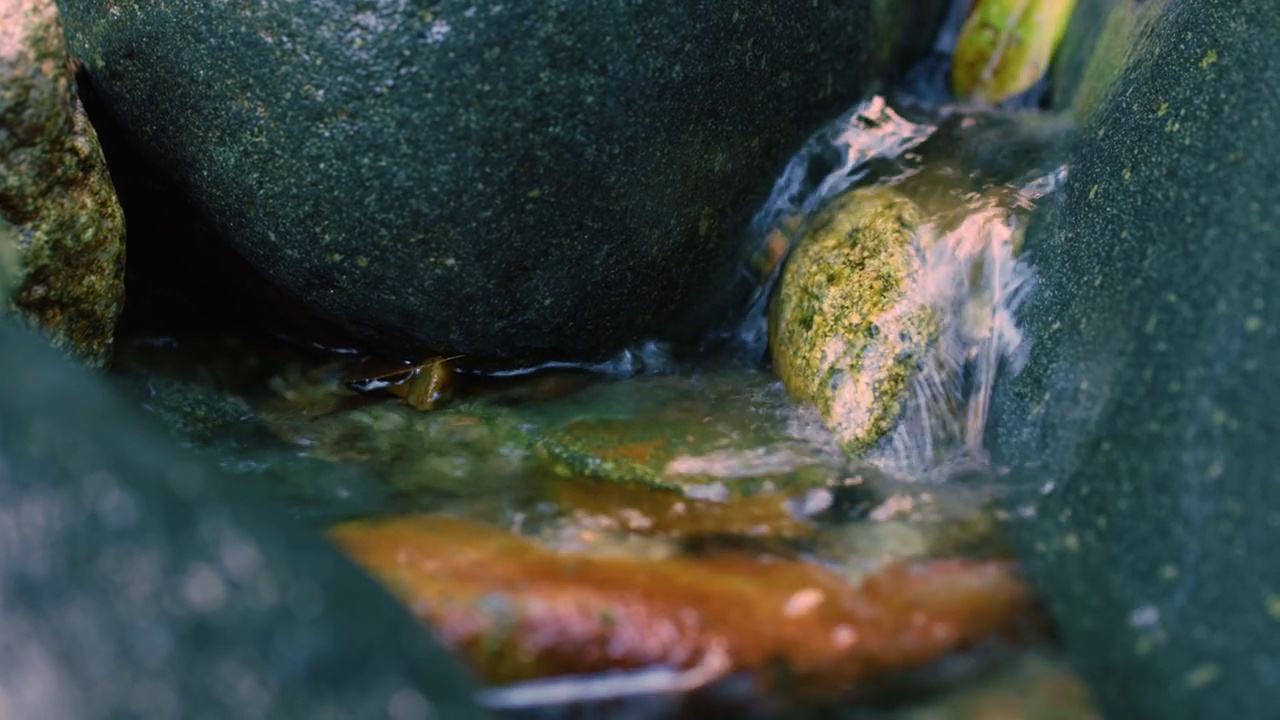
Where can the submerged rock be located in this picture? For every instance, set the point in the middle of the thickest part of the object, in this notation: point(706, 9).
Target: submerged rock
point(841, 335)
point(1141, 436)
point(68, 274)
point(721, 435)
point(508, 182)
point(519, 611)
point(136, 583)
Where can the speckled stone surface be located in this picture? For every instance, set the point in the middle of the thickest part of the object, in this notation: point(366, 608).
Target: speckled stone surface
point(1143, 433)
point(509, 182)
point(135, 582)
point(837, 337)
point(65, 232)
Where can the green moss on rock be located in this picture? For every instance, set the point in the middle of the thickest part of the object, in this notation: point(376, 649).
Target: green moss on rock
point(841, 334)
point(719, 435)
point(68, 274)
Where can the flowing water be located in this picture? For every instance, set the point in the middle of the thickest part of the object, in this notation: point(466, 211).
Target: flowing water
point(972, 275)
point(589, 459)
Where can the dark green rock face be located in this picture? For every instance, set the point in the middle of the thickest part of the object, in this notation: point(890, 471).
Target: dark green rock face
point(1143, 433)
point(134, 583)
point(510, 182)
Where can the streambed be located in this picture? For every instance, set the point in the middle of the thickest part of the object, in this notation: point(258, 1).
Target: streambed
point(696, 477)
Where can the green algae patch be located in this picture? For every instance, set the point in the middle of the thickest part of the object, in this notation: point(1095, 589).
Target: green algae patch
point(471, 449)
point(721, 435)
point(843, 333)
point(1100, 42)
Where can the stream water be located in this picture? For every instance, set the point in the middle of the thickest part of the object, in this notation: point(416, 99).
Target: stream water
point(656, 458)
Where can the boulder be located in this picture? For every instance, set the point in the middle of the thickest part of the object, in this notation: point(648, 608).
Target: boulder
point(510, 183)
point(135, 582)
point(1140, 438)
point(58, 211)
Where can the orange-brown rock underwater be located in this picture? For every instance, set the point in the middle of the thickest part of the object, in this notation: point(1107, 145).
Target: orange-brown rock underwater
point(518, 611)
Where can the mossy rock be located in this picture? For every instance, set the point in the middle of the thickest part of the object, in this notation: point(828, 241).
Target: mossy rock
point(65, 262)
point(730, 434)
point(843, 332)
point(9, 239)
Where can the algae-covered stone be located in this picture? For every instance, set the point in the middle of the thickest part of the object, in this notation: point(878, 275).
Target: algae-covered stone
point(843, 334)
point(1141, 437)
point(55, 189)
point(724, 434)
point(509, 181)
point(470, 450)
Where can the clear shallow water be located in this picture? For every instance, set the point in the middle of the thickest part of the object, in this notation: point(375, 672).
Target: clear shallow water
point(647, 456)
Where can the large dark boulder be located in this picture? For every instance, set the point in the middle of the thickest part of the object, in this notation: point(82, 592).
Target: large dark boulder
point(509, 182)
point(1142, 436)
point(136, 583)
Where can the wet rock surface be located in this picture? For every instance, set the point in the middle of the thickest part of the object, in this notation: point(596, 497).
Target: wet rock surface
point(719, 435)
point(57, 203)
point(841, 335)
point(1141, 433)
point(136, 582)
point(508, 182)
point(517, 611)
point(569, 471)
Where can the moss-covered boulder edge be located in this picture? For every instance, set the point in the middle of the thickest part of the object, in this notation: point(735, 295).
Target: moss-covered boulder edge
point(61, 227)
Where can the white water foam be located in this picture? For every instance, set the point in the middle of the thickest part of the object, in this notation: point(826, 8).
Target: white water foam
point(973, 279)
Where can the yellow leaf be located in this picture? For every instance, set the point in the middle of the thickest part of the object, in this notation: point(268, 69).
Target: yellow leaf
point(1005, 46)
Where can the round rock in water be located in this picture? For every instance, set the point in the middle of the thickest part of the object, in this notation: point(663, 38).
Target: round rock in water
point(841, 332)
point(504, 181)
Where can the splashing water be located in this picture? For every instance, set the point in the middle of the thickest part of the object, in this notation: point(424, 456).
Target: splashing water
point(867, 140)
point(972, 277)
point(974, 281)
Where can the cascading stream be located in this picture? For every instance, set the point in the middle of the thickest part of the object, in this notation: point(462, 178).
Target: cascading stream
point(956, 164)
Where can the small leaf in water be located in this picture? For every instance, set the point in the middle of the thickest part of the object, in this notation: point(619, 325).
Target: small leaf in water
point(1005, 46)
point(519, 611)
point(423, 386)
